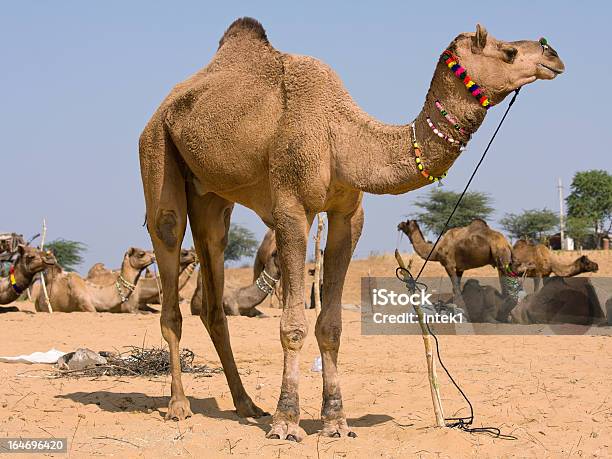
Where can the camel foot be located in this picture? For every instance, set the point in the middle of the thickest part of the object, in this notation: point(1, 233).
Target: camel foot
point(286, 430)
point(337, 428)
point(247, 409)
point(178, 409)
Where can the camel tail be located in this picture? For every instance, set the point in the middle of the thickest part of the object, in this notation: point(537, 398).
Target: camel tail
point(244, 26)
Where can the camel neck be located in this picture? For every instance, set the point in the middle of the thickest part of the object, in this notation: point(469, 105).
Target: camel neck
point(186, 274)
point(421, 246)
point(128, 272)
point(386, 155)
point(23, 277)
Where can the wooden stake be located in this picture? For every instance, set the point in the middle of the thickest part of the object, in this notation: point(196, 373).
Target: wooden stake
point(317, 268)
point(431, 363)
point(42, 274)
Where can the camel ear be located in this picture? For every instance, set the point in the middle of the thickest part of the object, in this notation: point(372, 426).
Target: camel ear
point(131, 251)
point(479, 40)
point(21, 249)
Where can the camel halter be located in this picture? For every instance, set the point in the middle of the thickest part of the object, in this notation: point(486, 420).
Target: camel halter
point(266, 283)
point(121, 283)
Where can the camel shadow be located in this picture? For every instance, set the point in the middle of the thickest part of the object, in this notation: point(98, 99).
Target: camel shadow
point(117, 402)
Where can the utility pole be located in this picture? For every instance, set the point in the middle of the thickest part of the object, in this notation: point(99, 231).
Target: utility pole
point(561, 217)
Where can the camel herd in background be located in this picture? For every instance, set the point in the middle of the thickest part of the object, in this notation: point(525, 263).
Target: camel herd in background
point(133, 288)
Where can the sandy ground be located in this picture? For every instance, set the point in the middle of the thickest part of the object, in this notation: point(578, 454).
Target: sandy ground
point(553, 392)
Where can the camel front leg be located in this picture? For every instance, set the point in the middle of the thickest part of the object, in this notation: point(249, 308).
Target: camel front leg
point(456, 283)
point(292, 225)
point(343, 234)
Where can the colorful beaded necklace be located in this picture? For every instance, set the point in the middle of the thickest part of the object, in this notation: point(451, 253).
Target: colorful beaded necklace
point(448, 138)
point(419, 161)
point(452, 62)
point(450, 118)
point(13, 281)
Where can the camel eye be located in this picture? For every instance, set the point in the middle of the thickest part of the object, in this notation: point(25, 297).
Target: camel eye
point(510, 54)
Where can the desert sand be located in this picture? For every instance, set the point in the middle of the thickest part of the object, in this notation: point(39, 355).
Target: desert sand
point(552, 392)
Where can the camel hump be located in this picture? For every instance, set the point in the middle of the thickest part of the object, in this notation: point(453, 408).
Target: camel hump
point(247, 27)
point(479, 222)
point(521, 243)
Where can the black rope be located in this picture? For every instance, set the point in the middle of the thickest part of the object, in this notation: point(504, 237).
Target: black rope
point(412, 283)
point(516, 92)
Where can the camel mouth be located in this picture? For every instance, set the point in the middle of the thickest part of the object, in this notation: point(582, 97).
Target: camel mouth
point(552, 70)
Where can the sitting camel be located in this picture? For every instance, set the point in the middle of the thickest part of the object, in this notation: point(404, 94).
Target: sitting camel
point(561, 300)
point(545, 262)
point(69, 292)
point(463, 248)
point(28, 262)
point(148, 289)
point(243, 301)
point(484, 303)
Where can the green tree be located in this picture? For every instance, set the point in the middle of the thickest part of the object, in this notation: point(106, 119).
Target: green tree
point(69, 254)
point(241, 243)
point(591, 199)
point(532, 225)
point(438, 205)
point(578, 229)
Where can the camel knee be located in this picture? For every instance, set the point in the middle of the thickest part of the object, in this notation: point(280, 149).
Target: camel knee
point(166, 227)
point(171, 324)
point(328, 336)
point(292, 336)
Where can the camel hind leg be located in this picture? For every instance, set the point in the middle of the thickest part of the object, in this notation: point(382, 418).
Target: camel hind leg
point(209, 218)
point(165, 196)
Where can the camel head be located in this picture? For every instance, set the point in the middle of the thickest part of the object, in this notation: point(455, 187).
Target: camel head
point(139, 259)
point(586, 265)
point(187, 257)
point(33, 260)
point(500, 67)
point(409, 227)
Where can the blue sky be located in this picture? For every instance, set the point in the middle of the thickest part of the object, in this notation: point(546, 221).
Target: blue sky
point(81, 79)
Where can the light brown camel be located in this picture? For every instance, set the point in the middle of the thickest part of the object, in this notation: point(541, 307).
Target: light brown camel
point(545, 262)
point(264, 252)
point(69, 292)
point(561, 300)
point(28, 262)
point(243, 301)
point(279, 134)
point(463, 248)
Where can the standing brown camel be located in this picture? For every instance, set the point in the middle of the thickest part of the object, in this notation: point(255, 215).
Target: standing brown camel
point(29, 261)
point(69, 292)
point(279, 134)
point(545, 262)
point(464, 248)
point(243, 301)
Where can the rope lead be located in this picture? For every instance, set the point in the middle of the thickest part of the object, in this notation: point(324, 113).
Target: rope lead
point(412, 283)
